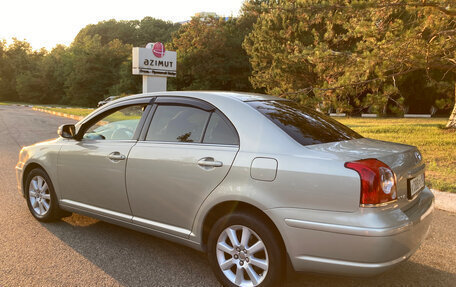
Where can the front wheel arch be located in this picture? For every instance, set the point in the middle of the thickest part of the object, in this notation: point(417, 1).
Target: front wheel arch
point(57, 211)
point(28, 168)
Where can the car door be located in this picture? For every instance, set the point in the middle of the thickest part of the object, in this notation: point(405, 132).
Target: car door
point(186, 151)
point(91, 170)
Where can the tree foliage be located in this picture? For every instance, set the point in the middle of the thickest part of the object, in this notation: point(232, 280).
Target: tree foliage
point(353, 55)
point(94, 69)
point(16, 60)
point(135, 32)
point(96, 65)
point(210, 55)
point(45, 82)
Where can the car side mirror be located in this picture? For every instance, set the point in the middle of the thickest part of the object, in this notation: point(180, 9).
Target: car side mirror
point(67, 131)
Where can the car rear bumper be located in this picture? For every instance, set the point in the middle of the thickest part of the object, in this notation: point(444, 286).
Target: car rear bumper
point(364, 243)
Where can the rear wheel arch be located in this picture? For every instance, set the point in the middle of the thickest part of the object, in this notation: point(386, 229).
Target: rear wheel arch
point(228, 207)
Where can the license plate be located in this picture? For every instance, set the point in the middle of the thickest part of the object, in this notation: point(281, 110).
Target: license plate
point(416, 184)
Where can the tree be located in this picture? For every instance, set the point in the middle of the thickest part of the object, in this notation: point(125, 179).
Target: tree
point(130, 33)
point(16, 60)
point(349, 53)
point(276, 46)
point(155, 30)
point(6, 90)
point(210, 55)
point(45, 83)
point(135, 32)
point(95, 68)
point(96, 65)
point(109, 30)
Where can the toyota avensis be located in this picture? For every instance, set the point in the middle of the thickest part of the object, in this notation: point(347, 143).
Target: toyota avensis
point(256, 181)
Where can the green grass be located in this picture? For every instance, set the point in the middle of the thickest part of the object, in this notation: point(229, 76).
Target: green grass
point(71, 111)
point(117, 116)
point(437, 145)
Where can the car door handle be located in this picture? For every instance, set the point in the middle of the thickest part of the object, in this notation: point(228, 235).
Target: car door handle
point(116, 156)
point(209, 162)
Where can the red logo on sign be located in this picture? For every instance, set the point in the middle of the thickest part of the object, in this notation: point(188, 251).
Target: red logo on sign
point(158, 49)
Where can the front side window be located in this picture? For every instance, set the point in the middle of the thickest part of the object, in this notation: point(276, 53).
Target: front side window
point(119, 125)
point(173, 123)
point(304, 125)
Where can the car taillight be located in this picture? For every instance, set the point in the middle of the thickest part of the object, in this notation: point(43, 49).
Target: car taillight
point(378, 181)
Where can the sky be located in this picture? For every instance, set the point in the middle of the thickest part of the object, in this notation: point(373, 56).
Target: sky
point(46, 23)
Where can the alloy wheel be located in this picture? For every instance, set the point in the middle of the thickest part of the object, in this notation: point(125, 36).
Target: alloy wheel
point(242, 256)
point(39, 195)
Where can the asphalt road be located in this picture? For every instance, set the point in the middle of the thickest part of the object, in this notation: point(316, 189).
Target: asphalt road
point(81, 251)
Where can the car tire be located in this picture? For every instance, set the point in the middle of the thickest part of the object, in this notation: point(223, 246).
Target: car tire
point(41, 199)
point(257, 260)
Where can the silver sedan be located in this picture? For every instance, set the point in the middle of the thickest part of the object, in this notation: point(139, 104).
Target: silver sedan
point(257, 182)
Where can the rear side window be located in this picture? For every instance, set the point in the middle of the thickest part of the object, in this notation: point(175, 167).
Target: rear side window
point(304, 125)
point(177, 124)
point(219, 132)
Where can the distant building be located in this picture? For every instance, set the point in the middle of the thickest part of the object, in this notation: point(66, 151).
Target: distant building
point(183, 22)
point(203, 15)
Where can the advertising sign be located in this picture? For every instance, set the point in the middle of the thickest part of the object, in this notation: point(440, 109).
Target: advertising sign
point(154, 60)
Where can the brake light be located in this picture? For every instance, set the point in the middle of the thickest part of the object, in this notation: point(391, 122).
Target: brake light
point(378, 181)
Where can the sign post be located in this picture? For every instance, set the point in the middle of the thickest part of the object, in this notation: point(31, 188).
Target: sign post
point(155, 65)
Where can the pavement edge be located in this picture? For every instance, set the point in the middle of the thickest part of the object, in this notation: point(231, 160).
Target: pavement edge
point(78, 118)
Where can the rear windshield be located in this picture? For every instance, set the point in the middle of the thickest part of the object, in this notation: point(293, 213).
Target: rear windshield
point(306, 126)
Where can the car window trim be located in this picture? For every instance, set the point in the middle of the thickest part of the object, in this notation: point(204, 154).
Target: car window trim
point(186, 101)
point(205, 127)
point(141, 122)
point(189, 143)
point(89, 141)
point(148, 121)
point(147, 112)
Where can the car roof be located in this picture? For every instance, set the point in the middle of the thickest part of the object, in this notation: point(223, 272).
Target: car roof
point(241, 96)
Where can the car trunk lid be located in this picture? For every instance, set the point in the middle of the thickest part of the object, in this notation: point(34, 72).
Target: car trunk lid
point(405, 160)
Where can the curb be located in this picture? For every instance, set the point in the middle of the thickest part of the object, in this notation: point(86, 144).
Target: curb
point(445, 200)
point(78, 118)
